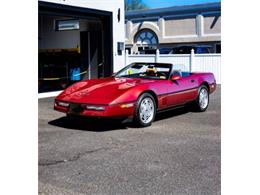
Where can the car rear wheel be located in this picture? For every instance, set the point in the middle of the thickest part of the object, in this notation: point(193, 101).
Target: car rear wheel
point(202, 100)
point(145, 110)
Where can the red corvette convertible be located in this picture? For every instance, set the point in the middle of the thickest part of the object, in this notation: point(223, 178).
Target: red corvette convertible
point(137, 92)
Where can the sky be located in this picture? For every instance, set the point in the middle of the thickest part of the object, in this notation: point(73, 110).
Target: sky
point(168, 3)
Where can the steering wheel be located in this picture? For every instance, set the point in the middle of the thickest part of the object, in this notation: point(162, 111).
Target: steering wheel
point(162, 74)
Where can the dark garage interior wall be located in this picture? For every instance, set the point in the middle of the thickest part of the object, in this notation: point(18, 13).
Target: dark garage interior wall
point(92, 53)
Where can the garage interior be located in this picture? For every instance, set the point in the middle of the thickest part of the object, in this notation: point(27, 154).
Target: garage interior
point(73, 44)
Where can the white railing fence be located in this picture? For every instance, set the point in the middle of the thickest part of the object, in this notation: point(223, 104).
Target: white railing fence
point(186, 62)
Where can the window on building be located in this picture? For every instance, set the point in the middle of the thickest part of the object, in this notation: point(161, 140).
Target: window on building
point(146, 41)
point(146, 38)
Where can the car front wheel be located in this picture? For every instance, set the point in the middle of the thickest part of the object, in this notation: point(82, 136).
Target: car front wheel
point(145, 110)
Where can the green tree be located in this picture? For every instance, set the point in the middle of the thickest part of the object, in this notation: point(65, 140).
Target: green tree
point(134, 5)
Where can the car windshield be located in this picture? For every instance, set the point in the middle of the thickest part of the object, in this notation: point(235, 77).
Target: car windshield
point(146, 70)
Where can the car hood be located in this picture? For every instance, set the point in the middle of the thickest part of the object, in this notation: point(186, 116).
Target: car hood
point(101, 91)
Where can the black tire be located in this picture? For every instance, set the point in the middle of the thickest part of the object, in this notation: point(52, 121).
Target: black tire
point(137, 118)
point(199, 107)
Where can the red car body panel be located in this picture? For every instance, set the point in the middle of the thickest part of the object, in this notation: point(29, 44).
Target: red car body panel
point(118, 96)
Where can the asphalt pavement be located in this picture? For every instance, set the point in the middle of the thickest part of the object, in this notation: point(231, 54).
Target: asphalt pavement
point(179, 154)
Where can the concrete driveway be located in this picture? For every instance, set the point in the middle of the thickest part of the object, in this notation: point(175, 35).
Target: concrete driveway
point(178, 154)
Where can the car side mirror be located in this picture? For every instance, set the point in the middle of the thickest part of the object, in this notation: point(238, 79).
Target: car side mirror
point(175, 77)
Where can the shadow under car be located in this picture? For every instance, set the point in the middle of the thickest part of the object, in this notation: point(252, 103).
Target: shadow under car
point(107, 124)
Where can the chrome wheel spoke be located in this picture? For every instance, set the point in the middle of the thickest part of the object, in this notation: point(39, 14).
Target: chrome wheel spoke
point(146, 110)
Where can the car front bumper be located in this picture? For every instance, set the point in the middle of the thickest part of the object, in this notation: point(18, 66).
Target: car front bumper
point(113, 111)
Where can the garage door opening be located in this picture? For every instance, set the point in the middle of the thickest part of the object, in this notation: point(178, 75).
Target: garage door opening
point(74, 44)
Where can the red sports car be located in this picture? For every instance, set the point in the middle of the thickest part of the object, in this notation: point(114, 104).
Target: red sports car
point(137, 92)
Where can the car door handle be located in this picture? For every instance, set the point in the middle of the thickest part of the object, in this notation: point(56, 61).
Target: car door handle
point(192, 81)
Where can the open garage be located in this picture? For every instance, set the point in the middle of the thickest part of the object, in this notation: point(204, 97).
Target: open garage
point(74, 43)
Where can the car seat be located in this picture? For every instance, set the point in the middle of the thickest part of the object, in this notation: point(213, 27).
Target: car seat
point(151, 71)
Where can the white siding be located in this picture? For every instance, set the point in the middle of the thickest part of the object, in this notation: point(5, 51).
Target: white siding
point(141, 58)
point(179, 61)
point(185, 62)
point(208, 63)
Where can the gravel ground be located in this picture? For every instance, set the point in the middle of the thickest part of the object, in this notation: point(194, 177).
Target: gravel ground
point(179, 154)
